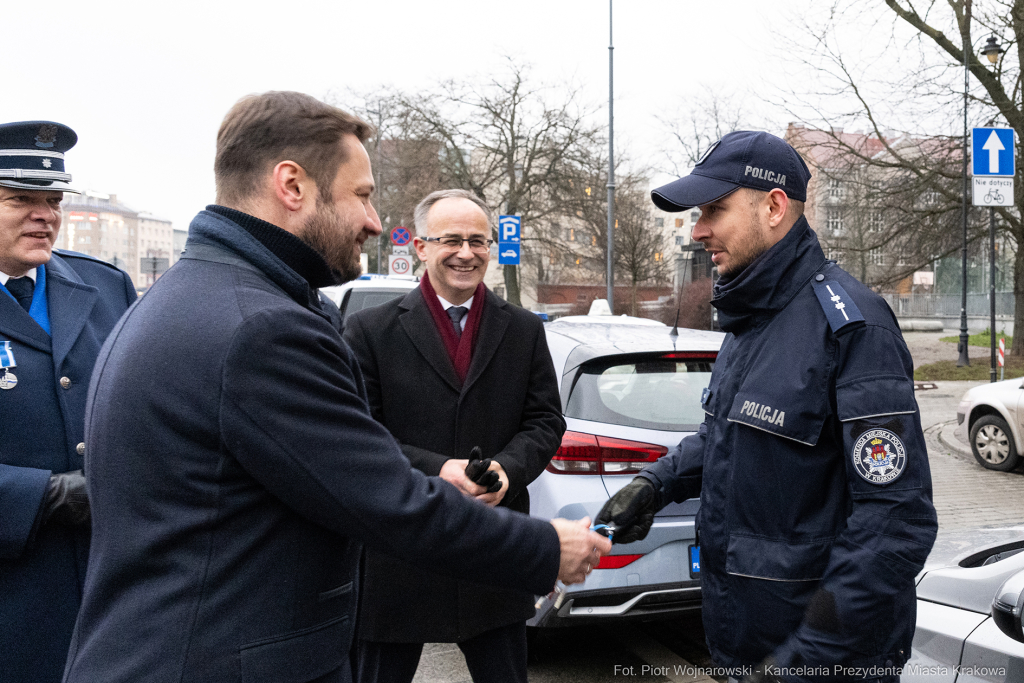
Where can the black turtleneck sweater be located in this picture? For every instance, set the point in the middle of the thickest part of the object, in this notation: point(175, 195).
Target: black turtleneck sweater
point(295, 253)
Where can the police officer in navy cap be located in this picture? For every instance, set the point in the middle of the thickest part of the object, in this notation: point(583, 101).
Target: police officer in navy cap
point(816, 501)
point(56, 308)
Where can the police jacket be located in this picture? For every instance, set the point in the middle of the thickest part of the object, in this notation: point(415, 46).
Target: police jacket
point(237, 470)
point(816, 511)
point(42, 430)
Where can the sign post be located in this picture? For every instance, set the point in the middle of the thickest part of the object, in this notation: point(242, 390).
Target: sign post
point(994, 153)
point(1002, 358)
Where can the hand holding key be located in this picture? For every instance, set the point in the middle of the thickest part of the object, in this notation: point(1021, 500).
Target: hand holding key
point(581, 549)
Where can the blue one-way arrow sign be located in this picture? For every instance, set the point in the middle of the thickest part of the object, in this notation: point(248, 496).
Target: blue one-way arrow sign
point(993, 152)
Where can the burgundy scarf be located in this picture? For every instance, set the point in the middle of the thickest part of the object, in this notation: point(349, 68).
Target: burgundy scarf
point(460, 349)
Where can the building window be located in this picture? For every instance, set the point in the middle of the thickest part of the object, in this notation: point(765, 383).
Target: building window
point(901, 257)
point(593, 240)
point(931, 198)
point(657, 256)
point(835, 188)
point(835, 221)
point(679, 222)
point(875, 222)
point(659, 222)
point(836, 254)
point(572, 234)
point(695, 215)
point(876, 257)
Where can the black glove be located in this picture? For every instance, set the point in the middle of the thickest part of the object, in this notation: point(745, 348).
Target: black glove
point(631, 511)
point(477, 471)
point(66, 501)
point(763, 673)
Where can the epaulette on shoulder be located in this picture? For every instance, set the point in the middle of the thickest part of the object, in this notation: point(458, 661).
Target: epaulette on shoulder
point(64, 253)
point(839, 308)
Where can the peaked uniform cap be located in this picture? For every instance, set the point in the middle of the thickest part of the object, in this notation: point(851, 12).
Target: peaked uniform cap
point(744, 158)
point(32, 155)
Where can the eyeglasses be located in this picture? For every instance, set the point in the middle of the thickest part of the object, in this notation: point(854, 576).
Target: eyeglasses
point(455, 243)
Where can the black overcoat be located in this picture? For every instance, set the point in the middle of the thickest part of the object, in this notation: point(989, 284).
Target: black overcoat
point(42, 423)
point(508, 405)
point(237, 470)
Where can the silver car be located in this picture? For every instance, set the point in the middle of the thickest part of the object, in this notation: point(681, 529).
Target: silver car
point(969, 600)
point(989, 416)
point(369, 290)
point(630, 392)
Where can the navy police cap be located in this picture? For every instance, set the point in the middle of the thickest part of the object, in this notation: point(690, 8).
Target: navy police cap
point(32, 155)
point(744, 158)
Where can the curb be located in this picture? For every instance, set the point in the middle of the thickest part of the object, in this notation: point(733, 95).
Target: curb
point(947, 437)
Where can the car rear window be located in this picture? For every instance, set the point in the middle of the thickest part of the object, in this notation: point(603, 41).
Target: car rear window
point(660, 391)
point(358, 299)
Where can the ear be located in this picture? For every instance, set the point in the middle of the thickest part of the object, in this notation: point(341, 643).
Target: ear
point(293, 188)
point(776, 203)
point(421, 249)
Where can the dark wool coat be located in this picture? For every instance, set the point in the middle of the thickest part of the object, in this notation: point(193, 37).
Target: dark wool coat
point(238, 471)
point(42, 424)
point(509, 406)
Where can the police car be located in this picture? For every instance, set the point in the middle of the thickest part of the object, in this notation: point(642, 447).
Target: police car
point(630, 392)
point(970, 596)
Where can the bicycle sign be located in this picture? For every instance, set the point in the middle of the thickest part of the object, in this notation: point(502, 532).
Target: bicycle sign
point(989, 191)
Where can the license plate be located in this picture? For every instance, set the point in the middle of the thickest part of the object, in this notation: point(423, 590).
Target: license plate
point(694, 561)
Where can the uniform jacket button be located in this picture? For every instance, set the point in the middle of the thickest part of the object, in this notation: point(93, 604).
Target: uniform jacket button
point(80, 448)
point(65, 382)
point(819, 277)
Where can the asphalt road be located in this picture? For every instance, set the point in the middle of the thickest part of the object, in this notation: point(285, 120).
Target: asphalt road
point(966, 495)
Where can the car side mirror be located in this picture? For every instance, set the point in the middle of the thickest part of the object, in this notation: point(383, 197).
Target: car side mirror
point(1008, 606)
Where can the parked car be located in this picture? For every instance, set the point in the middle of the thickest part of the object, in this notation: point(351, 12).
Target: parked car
point(969, 601)
point(630, 392)
point(990, 417)
point(369, 290)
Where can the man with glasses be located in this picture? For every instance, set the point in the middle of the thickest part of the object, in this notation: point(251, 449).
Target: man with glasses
point(461, 379)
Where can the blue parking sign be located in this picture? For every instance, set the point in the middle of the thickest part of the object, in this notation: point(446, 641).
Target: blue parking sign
point(509, 228)
point(992, 152)
point(508, 253)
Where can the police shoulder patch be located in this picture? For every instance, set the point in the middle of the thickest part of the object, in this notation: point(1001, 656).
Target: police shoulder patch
point(879, 456)
point(837, 304)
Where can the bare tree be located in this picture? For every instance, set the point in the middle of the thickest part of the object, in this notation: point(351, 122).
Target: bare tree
point(917, 178)
point(510, 142)
point(697, 122)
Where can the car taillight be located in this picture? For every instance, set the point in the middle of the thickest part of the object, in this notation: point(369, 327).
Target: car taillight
point(616, 561)
point(588, 454)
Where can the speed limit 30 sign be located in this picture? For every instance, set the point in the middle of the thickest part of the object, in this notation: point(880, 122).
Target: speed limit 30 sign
point(400, 264)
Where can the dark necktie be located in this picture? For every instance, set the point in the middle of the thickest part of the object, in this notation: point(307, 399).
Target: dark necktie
point(456, 313)
point(22, 288)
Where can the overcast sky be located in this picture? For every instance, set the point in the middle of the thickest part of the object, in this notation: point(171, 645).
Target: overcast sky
point(145, 85)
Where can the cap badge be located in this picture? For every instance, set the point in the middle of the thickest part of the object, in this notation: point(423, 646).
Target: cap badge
point(47, 163)
point(707, 152)
point(46, 136)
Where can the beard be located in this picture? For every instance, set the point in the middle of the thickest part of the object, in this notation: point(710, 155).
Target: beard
point(325, 233)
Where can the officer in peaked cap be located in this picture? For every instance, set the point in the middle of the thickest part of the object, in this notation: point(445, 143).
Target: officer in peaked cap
point(56, 309)
point(816, 511)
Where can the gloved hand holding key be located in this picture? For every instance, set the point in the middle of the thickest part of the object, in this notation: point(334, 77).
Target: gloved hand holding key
point(631, 511)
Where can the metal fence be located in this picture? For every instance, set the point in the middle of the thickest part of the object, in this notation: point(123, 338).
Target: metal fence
point(948, 305)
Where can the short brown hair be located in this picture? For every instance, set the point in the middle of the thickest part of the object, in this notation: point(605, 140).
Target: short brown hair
point(263, 130)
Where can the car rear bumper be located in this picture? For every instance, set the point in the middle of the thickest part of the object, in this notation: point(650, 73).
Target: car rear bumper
point(591, 607)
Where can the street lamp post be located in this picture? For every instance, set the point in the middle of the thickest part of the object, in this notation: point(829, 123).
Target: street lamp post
point(964, 358)
point(611, 170)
